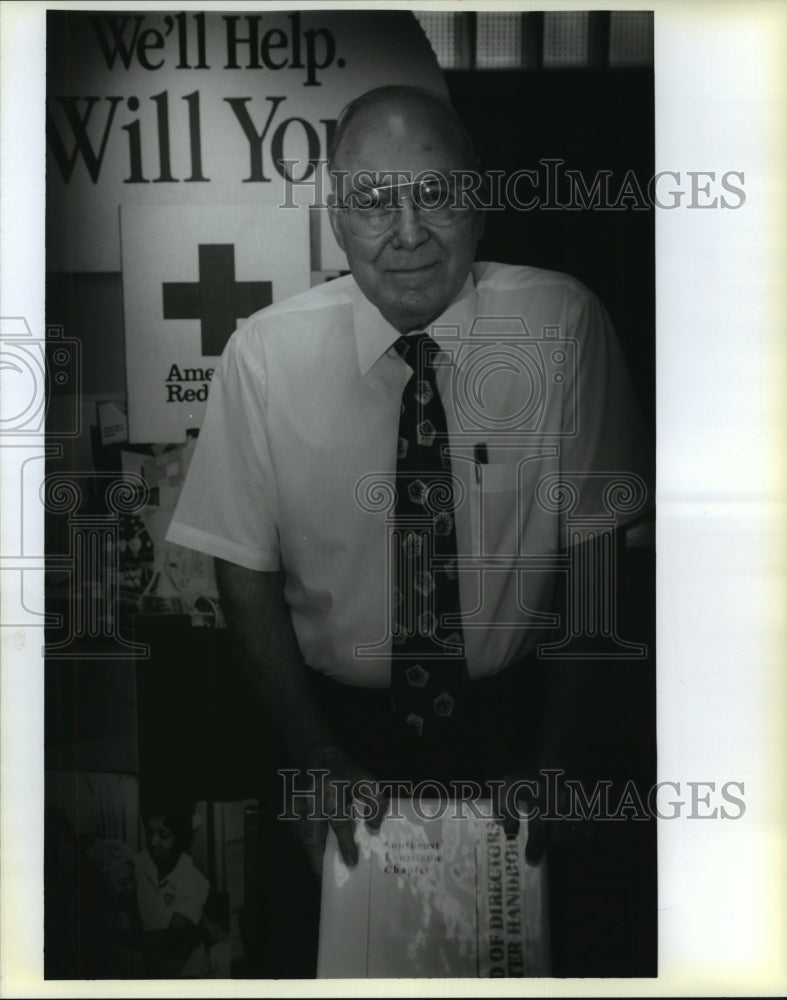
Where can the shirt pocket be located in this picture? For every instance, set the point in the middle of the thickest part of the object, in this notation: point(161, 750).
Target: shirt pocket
point(497, 477)
point(494, 507)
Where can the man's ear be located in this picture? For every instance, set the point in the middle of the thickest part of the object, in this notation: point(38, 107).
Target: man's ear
point(480, 223)
point(334, 214)
point(480, 213)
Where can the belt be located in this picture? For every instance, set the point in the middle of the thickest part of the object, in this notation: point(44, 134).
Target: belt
point(352, 694)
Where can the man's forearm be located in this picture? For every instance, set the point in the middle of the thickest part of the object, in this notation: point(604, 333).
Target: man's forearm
point(258, 615)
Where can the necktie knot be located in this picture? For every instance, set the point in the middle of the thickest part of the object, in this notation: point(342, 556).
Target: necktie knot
point(419, 351)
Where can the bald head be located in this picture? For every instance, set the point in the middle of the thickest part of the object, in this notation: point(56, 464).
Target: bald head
point(393, 113)
point(413, 265)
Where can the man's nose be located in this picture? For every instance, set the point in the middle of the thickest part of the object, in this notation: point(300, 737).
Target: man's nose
point(409, 230)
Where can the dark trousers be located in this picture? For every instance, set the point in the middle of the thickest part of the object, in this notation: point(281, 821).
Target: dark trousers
point(494, 731)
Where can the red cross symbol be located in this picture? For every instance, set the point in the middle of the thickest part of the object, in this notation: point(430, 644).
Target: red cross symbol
point(217, 300)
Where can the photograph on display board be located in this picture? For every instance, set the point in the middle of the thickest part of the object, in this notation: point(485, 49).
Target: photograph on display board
point(349, 494)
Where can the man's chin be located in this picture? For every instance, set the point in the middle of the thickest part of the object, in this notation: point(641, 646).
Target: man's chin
point(411, 308)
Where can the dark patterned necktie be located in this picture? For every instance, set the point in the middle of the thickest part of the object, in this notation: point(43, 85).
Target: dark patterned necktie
point(428, 668)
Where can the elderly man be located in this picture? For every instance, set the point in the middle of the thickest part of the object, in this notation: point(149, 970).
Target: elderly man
point(377, 473)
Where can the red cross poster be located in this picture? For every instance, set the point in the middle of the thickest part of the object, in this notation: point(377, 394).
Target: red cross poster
point(205, 108)
point(190, 275)
point(186, 153)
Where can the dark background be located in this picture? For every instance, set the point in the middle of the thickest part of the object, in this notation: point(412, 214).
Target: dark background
point(593, 120)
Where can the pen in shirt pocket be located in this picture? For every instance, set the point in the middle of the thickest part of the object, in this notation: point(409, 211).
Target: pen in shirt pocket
point(481, 456)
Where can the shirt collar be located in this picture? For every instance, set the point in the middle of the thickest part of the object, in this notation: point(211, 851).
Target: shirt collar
point(374, 335)
point(148, 868)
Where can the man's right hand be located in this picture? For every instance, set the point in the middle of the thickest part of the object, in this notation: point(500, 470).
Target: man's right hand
point(259, 616)
point(329, 777)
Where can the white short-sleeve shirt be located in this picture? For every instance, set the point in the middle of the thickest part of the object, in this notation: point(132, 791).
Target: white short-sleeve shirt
point(296, 457)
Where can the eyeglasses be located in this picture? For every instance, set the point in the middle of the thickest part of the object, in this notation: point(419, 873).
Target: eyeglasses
point(371, 211)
